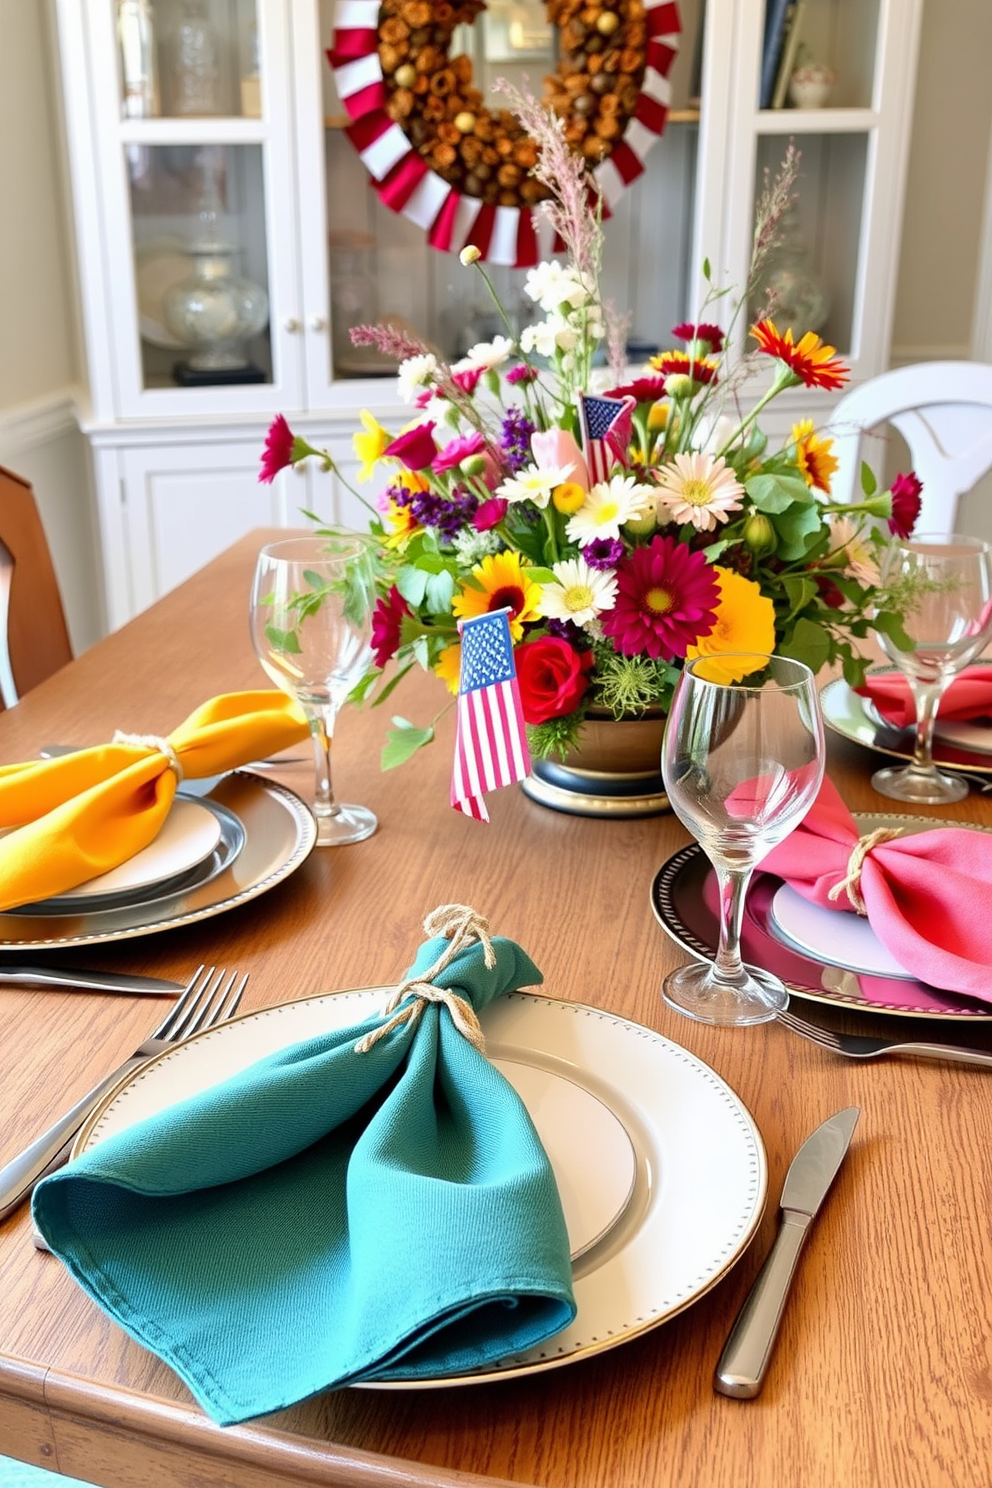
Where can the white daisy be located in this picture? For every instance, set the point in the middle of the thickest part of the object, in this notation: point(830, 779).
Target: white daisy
point(486, 354)
point(580, 592)
point(534, 484)
point(701, 489)
point(551, 286)
point(539, 338)
point(607, 507)
point(413, 374)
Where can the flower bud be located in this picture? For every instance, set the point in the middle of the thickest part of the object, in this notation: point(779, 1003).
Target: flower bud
point(879, 505)
point(759, 534)
point(470, 254)
point(474, 465)
point(642, 525)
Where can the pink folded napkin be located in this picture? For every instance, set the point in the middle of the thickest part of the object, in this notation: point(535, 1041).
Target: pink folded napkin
point(969, 696)
point(927, 895)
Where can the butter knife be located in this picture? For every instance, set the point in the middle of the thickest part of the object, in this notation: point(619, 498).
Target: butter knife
point(746, 1354)
point(88, 981)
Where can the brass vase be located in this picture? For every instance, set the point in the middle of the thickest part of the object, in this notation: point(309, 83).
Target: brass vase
point(615, 770)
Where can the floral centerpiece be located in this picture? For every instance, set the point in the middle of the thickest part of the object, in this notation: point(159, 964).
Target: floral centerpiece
point(626, 525)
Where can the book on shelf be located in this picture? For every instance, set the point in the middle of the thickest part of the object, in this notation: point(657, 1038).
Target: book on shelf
point(790, 49)
point(776, 16)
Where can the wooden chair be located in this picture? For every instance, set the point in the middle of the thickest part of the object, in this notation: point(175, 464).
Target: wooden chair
point(34, 640)
point(943, 410)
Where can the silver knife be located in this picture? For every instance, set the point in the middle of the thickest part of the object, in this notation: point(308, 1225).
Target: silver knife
point(741, 1370)
point(89, 981)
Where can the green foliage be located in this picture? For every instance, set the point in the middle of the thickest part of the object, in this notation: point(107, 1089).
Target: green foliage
point(402, 742)
point(554, 738)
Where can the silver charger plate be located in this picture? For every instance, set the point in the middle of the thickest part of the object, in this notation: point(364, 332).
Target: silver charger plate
point(279, 834)
point(684, 900)
point(230, 844)
point(854, 718)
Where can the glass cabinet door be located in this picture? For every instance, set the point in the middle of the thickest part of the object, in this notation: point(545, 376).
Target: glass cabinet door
point(193, 117)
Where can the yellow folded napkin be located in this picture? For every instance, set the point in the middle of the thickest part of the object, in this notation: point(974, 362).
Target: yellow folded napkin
point(85, 813)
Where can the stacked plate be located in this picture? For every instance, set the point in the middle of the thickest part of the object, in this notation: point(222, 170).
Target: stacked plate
point(215, 850)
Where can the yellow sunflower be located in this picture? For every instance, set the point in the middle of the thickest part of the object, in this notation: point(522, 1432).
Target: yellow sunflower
point(399, 524)
point(502, 584)
point(813, 456)
point(370, 445)
point(449, 665)
point(745, 621)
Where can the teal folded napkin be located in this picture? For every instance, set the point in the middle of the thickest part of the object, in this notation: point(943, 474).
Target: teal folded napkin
point(332, 1214)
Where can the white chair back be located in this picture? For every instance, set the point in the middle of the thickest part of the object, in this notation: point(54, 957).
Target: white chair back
point(943, 410)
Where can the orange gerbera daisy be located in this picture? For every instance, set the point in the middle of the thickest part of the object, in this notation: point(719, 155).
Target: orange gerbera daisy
point(809, 360)
point(813, 456)
point(501, 582)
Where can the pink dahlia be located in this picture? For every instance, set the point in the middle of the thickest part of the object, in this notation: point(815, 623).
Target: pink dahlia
point(667, 597)
point(387, 618)
point(278, 450)
point(906, 502)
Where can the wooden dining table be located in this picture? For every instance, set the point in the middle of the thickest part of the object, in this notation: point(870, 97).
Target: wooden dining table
point(882, 1373)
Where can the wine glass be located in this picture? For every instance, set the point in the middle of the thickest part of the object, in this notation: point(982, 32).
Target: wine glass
point(742, 761)
point(943, 588)
point(311, 626)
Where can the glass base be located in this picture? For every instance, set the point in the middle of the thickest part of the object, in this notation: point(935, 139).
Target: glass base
point(346, 824)
point(694, 991)
point(923, 787)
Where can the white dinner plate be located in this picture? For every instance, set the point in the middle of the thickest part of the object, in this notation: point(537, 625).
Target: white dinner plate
point(189, 834)
point(699, 1169)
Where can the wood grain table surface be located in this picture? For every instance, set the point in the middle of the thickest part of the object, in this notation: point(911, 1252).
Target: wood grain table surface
point(882, 1374)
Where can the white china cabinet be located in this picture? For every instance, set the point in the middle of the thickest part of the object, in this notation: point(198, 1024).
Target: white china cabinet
point(227, 237)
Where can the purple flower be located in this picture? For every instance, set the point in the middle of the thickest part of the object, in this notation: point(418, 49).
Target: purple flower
point(515, 439)
point(446, 514)
point(603, 552)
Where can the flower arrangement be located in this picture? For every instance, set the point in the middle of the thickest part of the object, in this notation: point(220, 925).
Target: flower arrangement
point(625, 529)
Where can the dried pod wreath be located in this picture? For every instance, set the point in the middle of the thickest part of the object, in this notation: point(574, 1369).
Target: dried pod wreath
point(461, 170)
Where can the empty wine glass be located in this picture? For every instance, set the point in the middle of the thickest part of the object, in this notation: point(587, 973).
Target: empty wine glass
point(742, 761)
point(311, 626)
point(943, 589)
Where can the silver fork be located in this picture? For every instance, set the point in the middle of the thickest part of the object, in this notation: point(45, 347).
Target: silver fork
point(208, 999)
point(863, 1046)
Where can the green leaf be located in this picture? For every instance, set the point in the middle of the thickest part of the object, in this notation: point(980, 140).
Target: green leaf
point(412, 584)
point(402, 742)
point(712, 553)
point(868, 482)
point(808, 642)
point(538, 575)
point(890, 624)
point(798, 530)
point(286, 641)
point(775, 493)
point(855, 668)
point(706, 269)
point(801, 592)
point(439, 592)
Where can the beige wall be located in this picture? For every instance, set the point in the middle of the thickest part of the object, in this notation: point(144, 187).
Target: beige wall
point(946, 182)
point(37, 342)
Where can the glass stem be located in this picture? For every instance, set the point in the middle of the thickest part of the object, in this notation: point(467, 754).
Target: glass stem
point(733, 882)
point(927, 696)
point(322, 732)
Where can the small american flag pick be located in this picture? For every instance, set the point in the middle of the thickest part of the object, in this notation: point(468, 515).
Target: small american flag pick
point(606, 428)
point(491, 739)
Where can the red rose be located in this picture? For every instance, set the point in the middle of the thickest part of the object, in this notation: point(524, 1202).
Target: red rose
point(553, 677)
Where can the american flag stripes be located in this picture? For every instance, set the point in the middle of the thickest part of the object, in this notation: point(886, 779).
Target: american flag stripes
point(606, 427)
point(491, 740)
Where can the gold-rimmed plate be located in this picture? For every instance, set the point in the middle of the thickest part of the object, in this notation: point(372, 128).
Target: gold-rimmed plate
point(685, 900)
point(699, 1175)
point(855, 718)
point(279, 833)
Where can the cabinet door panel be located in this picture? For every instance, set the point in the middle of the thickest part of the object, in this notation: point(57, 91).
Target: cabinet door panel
point(183, 506)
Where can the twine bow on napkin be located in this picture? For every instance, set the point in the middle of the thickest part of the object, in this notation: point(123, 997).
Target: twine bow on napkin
point(79, 815)
point(926, 894)
point(372, 1203)
point(968, 696)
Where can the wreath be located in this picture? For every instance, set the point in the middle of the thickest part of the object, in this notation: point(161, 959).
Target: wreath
point(460, 170)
